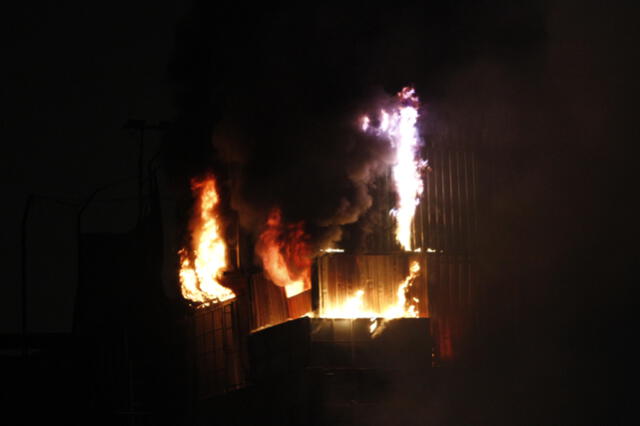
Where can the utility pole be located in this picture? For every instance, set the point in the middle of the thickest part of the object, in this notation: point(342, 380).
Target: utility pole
point(140, 126)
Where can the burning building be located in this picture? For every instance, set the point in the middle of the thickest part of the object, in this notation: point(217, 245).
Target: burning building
point(333, 331)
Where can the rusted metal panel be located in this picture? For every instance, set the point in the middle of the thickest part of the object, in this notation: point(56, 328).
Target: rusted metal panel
point(268, 302)
point(340, 276)
point(299, 305)
point(270, 305)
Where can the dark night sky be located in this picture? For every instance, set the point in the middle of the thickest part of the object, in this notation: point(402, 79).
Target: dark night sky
point(73, 73)
point(565, 72)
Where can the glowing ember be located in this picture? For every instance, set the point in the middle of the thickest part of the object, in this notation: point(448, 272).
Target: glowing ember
point(285, 254)
point(404, 307)
point(202, 266)
point(399, 126)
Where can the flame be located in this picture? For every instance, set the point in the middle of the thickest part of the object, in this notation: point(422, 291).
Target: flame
point(201, 267)
point(404, 307)
point(285, 254)
point(353, 307)
point(399, 126)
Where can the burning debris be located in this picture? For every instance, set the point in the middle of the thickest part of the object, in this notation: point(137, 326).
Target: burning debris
point(204, 262)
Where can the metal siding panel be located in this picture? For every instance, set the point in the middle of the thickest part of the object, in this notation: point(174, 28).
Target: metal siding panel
point(428, 199)
point(466, 200)
point(378, 275)
point(436, 206)
point(458, 204)
point(217, 350)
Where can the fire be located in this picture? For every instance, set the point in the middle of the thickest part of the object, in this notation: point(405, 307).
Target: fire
point(353, 307)
point(202, 265)
point(404, 307)
point(285, 254)
point(399, 126)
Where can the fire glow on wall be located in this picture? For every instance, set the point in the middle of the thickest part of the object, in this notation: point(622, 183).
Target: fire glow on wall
point(391, 285)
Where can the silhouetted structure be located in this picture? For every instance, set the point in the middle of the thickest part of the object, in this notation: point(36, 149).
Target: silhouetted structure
point(139, 373)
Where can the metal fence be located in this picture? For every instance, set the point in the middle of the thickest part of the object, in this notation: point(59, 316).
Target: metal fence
point(218, 350)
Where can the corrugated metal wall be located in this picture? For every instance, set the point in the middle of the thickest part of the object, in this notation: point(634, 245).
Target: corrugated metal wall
point(218, 349)
point(270, 305)
point(268, 302)
point(446, 218)
point(445, 226)
point(341, 275)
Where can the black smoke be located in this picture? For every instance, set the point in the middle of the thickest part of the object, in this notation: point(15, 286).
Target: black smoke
point(283, 96)
point(316, 164)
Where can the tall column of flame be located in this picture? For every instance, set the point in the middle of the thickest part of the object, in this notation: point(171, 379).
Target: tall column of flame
point(399, 126)
point(284, 253)
point(203, 265)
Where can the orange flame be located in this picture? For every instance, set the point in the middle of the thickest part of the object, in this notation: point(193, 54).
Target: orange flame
point(404, 307)
point(202, 266)
point(285, 254)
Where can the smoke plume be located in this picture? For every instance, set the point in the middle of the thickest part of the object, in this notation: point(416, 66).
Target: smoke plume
point(315, 165)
